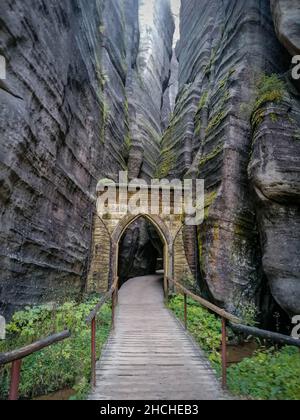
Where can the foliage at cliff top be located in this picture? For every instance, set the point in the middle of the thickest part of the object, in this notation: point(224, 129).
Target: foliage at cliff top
point(270, 89)
point(64, 365)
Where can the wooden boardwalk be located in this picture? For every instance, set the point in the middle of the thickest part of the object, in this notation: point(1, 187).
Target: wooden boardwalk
point(149, 356)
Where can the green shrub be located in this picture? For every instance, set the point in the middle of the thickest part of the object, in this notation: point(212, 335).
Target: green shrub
point(64, 365)
point(268, 375)
point(204, 326)
point(270, 89)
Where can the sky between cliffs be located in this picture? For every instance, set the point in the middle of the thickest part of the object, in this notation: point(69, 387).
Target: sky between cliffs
point(147, 14)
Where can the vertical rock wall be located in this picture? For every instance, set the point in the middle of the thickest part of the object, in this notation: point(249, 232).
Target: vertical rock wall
point(65, 122)
point(147, 83)
point(50, 151)
point(92, 89)
point(274, 167)
point(224, 50)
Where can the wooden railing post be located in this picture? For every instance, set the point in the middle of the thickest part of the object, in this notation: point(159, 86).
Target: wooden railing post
point(224, 353)
point(15, 380)
point(166, 288)
point(185, 312)
point(113, 301)
point(117, 290)
point(93, 350)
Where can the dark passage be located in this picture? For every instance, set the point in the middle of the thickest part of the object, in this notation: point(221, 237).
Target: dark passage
point(141, 250)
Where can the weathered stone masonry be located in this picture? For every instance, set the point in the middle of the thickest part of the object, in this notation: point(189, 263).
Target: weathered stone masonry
point(108, 232)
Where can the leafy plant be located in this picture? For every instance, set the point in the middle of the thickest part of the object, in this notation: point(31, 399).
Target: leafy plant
point(268, 375)
point(270, 89)
point(204, 326)
point(64, 365)
point(246, 311)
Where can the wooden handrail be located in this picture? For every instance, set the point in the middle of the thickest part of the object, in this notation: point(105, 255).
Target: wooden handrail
point(91, 320)
point(23, 352)
point(102, 301)
point(266, 335)
point(235, 325)
point(16, 356)
point(221, 312)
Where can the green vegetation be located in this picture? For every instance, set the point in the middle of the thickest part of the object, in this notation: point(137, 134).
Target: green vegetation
point(105, 112)
point(269, 374)
point(211, 62)
point(61, 366)
point(128, 140)
point(102, 29)
point(209, 200)
point(211, 155)
point(215, 121)
point(202, 101)
point(166, 163)
point(270, 89)
point(205, 327)
point(297, 136)
point(220, 114)
point(127, 146)
point(246, 311)
point(201, 105)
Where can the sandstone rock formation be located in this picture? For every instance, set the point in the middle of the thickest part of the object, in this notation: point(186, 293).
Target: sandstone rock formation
point(286, 15)
point(82, 97)
point(50, 151)
point(95, 86)
point(210, 136)
point(275, 173)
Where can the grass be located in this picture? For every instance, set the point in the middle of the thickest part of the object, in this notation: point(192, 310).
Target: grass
point(64, 365)
point(270, 89)
point(204, 327)
point(270, 374)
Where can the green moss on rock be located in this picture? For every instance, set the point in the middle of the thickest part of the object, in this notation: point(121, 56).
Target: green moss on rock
point(211, 155)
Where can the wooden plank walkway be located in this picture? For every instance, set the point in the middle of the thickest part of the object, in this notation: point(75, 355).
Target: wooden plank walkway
point(149, 356)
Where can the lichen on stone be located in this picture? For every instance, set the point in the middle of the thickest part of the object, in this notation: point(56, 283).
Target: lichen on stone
point(218, 150)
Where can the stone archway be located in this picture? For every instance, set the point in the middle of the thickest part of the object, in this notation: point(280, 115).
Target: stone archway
point(163, 232)
point(108, 231)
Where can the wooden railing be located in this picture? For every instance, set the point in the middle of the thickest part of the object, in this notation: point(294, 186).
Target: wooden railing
point(92, 318)
point(225, 317)
point(234, 323)
point(16, 357)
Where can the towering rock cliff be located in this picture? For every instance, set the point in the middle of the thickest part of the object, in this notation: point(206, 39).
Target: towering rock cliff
point(274, 167)
point(82, 97)
point(95, 87)
point(286, 15)
point(224, 51)
point(147, 82)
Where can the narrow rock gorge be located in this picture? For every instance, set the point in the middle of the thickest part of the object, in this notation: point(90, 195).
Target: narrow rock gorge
point(241, 137)
point(85, 97)
point(95, 87)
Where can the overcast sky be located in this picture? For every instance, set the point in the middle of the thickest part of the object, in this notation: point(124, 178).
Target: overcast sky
point(146, 14)
point(175, 4)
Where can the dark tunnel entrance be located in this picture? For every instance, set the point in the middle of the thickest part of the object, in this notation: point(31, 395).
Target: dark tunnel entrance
point(141, 251)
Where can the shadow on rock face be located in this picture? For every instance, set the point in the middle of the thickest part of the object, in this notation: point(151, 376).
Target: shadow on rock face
point(141, 251)
point(286, 15)
point(275, 174)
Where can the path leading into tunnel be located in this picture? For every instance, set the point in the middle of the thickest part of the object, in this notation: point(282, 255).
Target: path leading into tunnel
point(149, 356)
